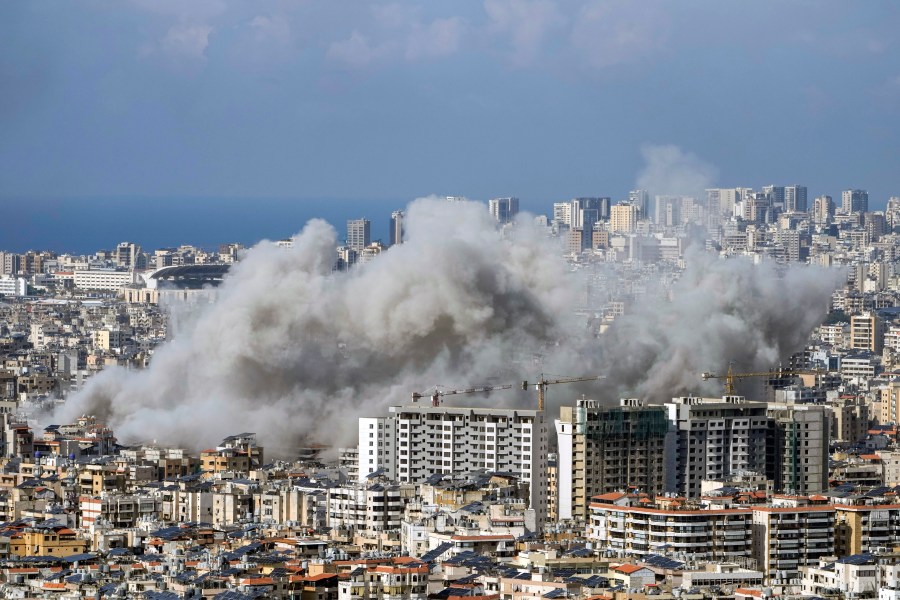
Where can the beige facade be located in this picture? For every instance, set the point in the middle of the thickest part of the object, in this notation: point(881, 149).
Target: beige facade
point(623, 218)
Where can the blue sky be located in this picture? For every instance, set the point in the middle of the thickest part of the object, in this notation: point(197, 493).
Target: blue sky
point(542, 99)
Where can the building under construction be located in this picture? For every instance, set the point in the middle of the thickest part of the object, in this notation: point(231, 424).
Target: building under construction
point(605, 449)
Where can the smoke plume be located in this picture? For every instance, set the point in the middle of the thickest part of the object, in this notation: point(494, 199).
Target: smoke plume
point(295, 352)
point(671, 171)
point(718, 311)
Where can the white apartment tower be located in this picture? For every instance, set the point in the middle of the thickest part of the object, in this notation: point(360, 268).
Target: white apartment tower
point(562, 213)
point(417, 441)
point(398, 227)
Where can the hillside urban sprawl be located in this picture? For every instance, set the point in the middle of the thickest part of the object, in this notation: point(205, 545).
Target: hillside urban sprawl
point(785, 483)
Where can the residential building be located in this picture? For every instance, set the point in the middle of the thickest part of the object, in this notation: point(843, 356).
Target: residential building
point(619, 525)
point(398, 227)
point(608, 449)
point(359, 234)
point(418, 441)
point(866, 528)
point(641, 199)
point(786, 538)
point(851, 576)
point(795, 198)
point(798, 448)
point(713, 438)
point(623, 218)
point(854, 201)
point(504, 210)
point(867, 332)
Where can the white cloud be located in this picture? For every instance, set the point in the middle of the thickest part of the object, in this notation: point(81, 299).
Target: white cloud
point(187, 42)
point(358, 52)
point(608, 33)
point(526, 22)
point(441, 38)
point(397, 34)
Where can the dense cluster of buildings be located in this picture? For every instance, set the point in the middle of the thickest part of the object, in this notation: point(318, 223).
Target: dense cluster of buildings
point(790, 490)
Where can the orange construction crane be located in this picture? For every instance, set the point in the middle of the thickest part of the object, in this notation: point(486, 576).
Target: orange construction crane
point(541, 385)
point(438, 393)
point(731, 377)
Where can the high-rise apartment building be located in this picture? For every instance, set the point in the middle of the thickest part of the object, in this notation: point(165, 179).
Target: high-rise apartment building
point(641, 199)
point(668, 211)
point(359, 234)
point(713, 438)
point(854, 201)
point(867, 332)
point(823, 210)
point(128, 256)
point(798, 448)
point(504, 210)
point(795, 198)
point(398, 227)
point(600, 204)
point(10, 263)
point(608, 449)
point(562, 213)
point(775, 194)
point(623, 218)
point(417, 441)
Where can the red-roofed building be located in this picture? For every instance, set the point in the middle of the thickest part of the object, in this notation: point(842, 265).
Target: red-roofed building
point(632, 576)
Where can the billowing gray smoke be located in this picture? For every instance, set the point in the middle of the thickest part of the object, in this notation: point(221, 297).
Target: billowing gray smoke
point(295, 352)
point(719, 311)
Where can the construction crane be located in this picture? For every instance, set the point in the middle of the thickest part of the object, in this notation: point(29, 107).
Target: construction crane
point(438, 393)
point(731, 377)
point(541, 385)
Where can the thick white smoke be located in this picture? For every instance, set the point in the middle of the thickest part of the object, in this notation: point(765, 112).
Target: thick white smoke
point(295, 352)
point(719, 311)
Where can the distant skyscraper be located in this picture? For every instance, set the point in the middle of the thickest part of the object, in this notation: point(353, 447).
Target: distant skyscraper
point(795, 198)
point(775, 194)
point(358, 233)
point(504, 210)
point(398, 226)
point(853, 201)
point(601, 205)
point(562, 213)
point(668, 211)
point(641, 199)
point(127, 255)
point(723, 201)
point(623, 217)
point(823, 210)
